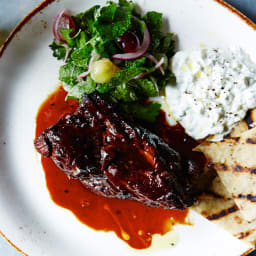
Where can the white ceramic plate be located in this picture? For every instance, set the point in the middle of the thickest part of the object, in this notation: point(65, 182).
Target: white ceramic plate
point(28, 73)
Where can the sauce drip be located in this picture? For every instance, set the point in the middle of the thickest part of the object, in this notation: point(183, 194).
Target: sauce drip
point(133, 222)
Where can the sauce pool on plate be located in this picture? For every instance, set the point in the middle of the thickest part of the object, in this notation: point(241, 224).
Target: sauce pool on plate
point(133, 222)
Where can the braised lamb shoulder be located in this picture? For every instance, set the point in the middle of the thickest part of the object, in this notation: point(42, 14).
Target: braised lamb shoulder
point(115, 157)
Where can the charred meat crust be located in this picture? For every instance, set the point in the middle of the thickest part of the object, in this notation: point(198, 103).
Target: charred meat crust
point(115, 157)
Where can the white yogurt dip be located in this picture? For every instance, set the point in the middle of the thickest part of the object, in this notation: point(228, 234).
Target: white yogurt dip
point(215, 89)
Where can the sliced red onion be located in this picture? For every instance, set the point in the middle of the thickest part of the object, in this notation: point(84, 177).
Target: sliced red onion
point(94, 57)
point(67, 52)
point(155, 84)
point(158, 63)
point(85, 74)
point(55, 26)
point(62, 20)
point(141, 51)
point(142, 75)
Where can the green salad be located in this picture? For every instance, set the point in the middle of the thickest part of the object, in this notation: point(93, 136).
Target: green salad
point(115, 51)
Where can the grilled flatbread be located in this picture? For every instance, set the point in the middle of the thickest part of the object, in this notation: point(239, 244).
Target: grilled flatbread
point(234, 160)
point(218, 207)
point(226, 214)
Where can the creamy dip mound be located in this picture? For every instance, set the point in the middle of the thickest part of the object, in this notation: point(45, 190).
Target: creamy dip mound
point(214, 90)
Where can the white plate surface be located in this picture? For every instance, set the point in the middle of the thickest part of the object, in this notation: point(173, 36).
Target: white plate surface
point(28, 73)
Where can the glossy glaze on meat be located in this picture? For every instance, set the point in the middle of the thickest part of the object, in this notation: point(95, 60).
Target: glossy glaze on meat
point(115, 157)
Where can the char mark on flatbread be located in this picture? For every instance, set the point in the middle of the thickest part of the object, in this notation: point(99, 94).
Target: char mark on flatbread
point(242, 235)
point(224, 167)
point(249, 197)
point(235, 164)
point(245, 234)
point(248, 119)
point(232, 206)
point(234, 138)
point(251, 141)
point(223, 213)
point(239, 168)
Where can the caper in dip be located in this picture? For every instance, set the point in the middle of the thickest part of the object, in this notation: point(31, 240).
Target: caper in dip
point(215, 88)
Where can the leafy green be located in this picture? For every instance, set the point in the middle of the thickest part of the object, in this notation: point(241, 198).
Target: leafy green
point(85, 20)
point(135, 63)
point(135, 68)
point(160, 43)
point(66, 33)
point(124, 93)
point(127, 5)
point(82, 42)
point(154, 21)
point(147, 87)
point(68, 73)
point(122, 81)
point(147, 112)
point(77, 92)
point(166, 79)
point(59, 51)
point(167, 45)
point(154, 24)
point(113, 21)
point(82, 55)
point(95, 35)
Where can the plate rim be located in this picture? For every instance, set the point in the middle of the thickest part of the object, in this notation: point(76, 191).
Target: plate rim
point(43, 5)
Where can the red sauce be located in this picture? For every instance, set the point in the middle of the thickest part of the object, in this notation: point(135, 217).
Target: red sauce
point(131, 221)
